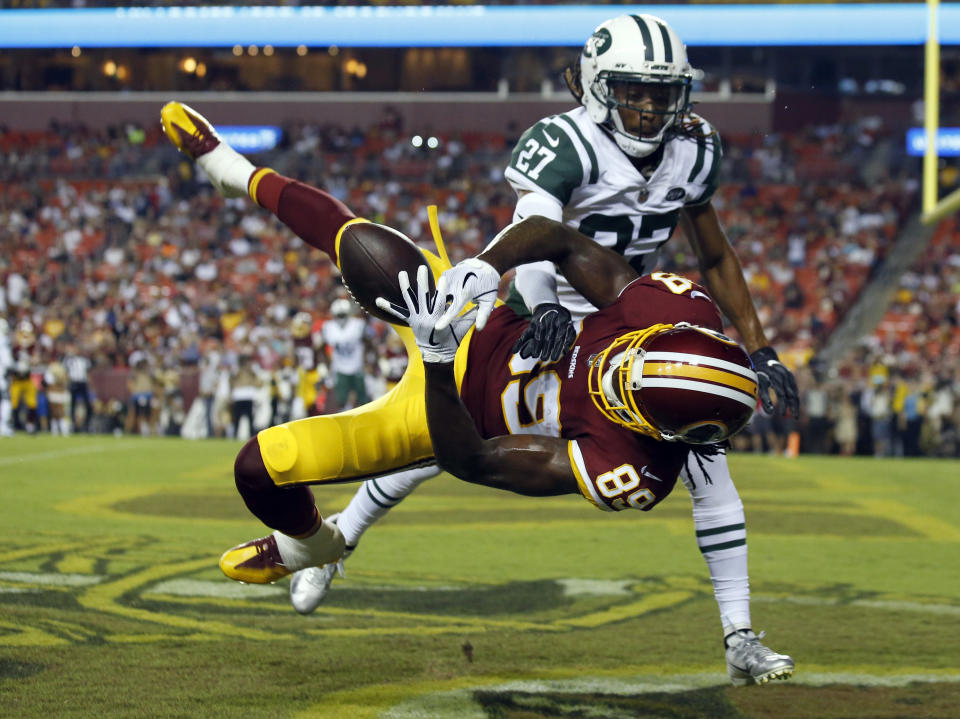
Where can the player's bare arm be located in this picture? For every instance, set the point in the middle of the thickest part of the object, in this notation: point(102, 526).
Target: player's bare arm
point(534, 465)
point(724, 276)
point(598, 273)
point(722, 272)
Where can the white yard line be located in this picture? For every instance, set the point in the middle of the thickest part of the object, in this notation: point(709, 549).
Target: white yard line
point(57, 453)
point(946, 609)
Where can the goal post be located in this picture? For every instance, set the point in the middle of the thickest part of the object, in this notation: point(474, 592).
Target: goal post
point(932, 210)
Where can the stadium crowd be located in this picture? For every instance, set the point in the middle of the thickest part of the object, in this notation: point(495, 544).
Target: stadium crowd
point(182, 304)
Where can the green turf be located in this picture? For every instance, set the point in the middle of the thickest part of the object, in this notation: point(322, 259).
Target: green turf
point(466, 602)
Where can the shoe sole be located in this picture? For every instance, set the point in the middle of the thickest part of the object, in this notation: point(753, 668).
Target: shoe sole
point(743, 679)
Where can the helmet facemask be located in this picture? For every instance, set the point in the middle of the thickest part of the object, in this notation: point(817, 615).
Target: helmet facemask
point(642, 110)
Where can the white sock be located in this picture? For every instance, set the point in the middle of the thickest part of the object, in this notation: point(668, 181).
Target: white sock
point(6, 412)
point(227, 169)
point(323, 546)
point(376, 497)
point(721, 536)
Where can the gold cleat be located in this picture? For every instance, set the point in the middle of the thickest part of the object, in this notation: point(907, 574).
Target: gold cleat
point(256, 562)
point(188, 130)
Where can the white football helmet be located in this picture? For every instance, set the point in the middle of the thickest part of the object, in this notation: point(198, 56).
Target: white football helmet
point(341, 308)
point(635, 67)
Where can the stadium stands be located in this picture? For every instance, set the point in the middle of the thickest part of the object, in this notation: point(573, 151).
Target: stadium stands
point(109, 240)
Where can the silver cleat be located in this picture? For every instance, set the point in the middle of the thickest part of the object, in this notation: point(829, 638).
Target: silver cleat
point(750, 662)
point(310, 586)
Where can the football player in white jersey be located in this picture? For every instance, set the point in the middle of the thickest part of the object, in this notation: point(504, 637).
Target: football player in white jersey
point(625, 168)
point(346, 336)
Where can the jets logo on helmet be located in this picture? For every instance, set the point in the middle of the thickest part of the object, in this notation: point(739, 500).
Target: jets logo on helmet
point(676, 383)
point(635, 81)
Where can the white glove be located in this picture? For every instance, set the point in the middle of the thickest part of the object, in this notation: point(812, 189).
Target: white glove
point(469, 281)
point(421, 314)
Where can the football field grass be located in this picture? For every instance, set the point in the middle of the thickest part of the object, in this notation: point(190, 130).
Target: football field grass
point(468, 603)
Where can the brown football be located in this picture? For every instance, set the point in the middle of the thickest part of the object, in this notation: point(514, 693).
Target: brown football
point(371, 257)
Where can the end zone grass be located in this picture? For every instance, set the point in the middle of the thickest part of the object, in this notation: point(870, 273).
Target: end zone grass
point(467, 602)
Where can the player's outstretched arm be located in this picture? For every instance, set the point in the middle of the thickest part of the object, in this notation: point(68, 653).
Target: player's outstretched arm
point(599, 274)
point(534, 465)
point(596, 272)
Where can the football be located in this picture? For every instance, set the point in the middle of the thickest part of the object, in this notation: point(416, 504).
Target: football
point(371, 256)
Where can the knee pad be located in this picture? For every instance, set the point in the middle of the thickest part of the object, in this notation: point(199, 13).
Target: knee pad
point(279, 449)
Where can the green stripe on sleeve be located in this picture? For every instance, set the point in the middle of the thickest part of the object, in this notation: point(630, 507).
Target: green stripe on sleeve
point(711, 181)
point(594, 170)
point(701, 156)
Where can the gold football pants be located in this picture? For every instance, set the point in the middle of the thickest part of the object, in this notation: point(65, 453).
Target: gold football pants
point(382, 436)
point(23, 391)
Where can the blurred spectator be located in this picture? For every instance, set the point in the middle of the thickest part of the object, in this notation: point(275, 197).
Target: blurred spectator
point(78, 369)
point(123, 254)
point(140, 413)
point(245, 385)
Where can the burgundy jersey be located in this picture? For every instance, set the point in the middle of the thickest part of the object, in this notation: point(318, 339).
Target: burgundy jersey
point(616, 468)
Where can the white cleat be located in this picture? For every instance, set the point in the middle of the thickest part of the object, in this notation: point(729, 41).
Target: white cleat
point(309, 587)
point(750, 662)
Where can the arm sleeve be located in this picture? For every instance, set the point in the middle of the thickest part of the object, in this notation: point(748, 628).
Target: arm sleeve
point(545, 160)
point(537, 282)
point(535, 203)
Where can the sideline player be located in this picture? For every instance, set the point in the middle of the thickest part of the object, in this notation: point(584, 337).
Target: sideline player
point(305, 540)
point(346, 336)
point(624, 168)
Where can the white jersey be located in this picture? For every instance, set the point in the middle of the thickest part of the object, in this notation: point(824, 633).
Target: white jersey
point(345, 340)
point(571, 159)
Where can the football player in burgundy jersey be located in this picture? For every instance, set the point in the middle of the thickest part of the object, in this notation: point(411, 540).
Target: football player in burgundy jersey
point(566, 426)
point(652, 388)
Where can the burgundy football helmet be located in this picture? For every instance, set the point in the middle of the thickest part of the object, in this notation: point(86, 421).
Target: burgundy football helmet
point(676, 383)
